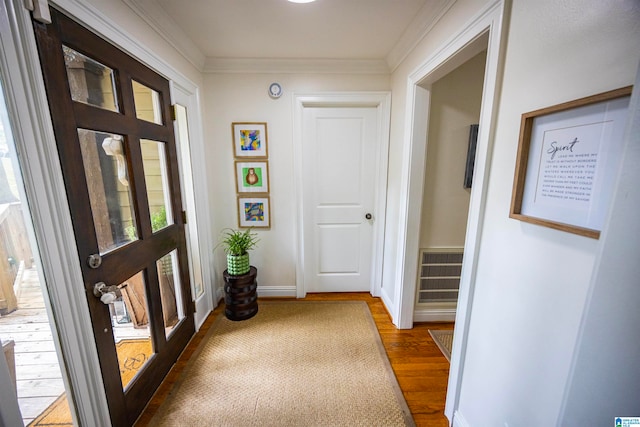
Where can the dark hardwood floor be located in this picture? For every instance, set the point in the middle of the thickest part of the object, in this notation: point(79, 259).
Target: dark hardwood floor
point(421, 369)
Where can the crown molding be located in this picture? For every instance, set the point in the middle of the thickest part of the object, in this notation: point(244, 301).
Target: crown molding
point(163, 25)
point(422, 24)
point(297, 66)
point(166, 27)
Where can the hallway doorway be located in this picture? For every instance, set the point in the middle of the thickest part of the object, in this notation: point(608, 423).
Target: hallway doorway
point(454, 112)
point(484, 31)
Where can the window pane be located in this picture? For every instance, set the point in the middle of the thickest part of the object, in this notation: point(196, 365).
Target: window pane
point(130, 320)
point(183, 138)
point(90, 82)
point(147, 103)
point(105, 166)
point(170, 292)
point(156, 178)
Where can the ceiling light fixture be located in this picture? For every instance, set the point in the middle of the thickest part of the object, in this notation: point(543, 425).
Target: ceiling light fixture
point(301, 1)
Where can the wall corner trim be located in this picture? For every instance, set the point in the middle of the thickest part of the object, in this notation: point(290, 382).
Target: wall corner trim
point(488, 21)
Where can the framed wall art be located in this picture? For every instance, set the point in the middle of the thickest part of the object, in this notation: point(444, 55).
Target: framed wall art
point(568, 158)
point(249, 140)
point(252, 177)
point(254, 212)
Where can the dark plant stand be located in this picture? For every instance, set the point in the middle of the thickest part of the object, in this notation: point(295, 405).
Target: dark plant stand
point(240, 298)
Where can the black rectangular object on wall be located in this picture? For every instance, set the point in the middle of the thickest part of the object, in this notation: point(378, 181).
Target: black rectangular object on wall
point(471, 155)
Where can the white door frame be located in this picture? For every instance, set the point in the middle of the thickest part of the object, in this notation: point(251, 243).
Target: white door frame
point(197, 233)
point(382, 102)
point(487, 23)
point(44, 186)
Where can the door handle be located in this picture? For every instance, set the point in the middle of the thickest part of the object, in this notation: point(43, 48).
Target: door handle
point(107, 294)
point(368, 216)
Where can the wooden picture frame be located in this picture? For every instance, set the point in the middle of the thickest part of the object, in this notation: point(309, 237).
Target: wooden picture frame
point(254, 211)
point(568, 158)
point(249, 140)
point(252, 176)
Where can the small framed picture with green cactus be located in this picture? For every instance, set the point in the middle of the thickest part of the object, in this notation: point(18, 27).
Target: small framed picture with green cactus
point(252, 177)
point(254, 212)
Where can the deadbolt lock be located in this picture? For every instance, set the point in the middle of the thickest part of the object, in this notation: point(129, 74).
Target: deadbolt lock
point(94, 261)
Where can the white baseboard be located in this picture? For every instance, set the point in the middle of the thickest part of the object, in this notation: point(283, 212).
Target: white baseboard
point(459, 420)
point(434, 315)
point(219, 296)
point(276, 291)
point(388, 303)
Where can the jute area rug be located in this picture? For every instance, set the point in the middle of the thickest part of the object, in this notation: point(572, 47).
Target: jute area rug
point(295, 363)
point(444, 341)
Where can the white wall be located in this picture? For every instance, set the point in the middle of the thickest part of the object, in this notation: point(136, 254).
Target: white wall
point(605, 380)
point(532, 282)
point(455, 105)
point(243, 98)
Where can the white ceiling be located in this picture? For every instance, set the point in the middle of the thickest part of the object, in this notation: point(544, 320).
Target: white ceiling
point(211, 31)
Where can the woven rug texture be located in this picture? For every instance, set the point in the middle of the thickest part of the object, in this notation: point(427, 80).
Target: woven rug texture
point(295, 363)
point(444, 341)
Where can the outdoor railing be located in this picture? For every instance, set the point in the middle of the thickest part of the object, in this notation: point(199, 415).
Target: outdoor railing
point(14, 251)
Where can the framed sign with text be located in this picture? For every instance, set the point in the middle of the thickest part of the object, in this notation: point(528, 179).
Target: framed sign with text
point(568, 158)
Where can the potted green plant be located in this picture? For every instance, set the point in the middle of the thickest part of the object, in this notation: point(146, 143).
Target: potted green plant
point(237, 245)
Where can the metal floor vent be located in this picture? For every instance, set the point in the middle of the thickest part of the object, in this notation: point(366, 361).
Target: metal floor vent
point(439, 276)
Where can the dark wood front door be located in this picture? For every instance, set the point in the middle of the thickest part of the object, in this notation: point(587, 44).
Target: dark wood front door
point(115, 138)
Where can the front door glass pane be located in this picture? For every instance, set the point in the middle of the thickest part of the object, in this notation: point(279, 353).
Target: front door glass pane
point(170, 292)
point(147, 103)
point(90, 81)
point(130, 321)
point(154, 161)
point(105, 166)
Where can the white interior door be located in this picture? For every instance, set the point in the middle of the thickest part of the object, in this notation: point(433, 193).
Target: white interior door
point(339, 147)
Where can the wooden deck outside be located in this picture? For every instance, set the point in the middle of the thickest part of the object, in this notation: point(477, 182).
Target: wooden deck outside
point(38, 376)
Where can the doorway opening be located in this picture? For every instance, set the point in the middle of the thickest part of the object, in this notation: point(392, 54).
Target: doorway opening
point(27, 329)
point(454, 115)
point(483, 31)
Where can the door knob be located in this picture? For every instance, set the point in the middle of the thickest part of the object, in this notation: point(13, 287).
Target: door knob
point(107, 294)
point(368, 216)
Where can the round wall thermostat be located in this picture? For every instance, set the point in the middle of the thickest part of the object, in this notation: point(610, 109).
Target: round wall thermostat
point(275, 90)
